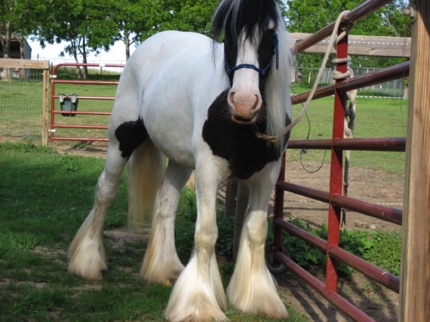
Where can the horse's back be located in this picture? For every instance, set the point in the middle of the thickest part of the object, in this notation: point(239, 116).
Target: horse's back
point(167, 53)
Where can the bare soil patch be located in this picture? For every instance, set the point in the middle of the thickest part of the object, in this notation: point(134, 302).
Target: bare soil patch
point(373, 186)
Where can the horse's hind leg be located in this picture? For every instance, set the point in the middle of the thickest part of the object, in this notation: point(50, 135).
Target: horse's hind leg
point(86, 252)
point(251, 287)
point(161, 263)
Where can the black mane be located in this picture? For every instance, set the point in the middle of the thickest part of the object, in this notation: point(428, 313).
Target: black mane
point(233, 16)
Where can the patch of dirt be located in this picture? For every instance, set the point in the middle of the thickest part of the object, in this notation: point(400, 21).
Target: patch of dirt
point(373, 186)
point(120, 237)
point(378, 302)
point(89, 149)
point(5, 282)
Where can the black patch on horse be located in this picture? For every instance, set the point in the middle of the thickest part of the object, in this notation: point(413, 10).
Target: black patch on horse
point(238, 143)
point(130, 135)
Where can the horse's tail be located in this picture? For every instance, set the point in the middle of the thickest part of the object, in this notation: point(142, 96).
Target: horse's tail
point(145, 175)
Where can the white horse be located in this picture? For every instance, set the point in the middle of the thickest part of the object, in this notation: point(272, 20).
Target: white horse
point(201, 104)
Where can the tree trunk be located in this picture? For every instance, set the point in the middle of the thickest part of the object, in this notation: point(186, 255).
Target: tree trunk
point(84, 57)
point(127, 44)
point(6, 49)
point(22, 71)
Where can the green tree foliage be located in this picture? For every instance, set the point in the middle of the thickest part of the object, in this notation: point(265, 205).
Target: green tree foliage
point(6, 33)
point(10, 28)
point(82, 24)
point(312, 15)
point(92, 25)
point(139, 19)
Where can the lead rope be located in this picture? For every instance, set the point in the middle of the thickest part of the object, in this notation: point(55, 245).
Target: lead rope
point(334, 39)
point(348, 133)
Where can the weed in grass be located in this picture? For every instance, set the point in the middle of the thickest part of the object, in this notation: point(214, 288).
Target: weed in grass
point(380, 248)
point(386, 251)
point(38, 304)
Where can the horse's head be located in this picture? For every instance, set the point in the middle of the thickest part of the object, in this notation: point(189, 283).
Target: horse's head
point(250, 43)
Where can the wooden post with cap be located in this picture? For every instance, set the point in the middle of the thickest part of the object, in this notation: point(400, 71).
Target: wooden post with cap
point(415, 271)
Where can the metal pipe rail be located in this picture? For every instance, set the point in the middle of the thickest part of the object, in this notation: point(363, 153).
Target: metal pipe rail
point(384, 75)
point(96, 98)
point(88, 127)
point(82, 113)
point(85, 82)
point(100, 65)
point(392, 215)
point(360, 144)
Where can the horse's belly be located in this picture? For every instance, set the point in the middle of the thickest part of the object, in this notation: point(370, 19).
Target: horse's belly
point(172, 136)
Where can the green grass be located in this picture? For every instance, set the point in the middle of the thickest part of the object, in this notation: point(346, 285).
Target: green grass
point(21, 108)
point(44, 197)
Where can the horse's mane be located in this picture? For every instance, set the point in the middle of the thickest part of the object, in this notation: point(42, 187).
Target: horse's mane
point(233, 16)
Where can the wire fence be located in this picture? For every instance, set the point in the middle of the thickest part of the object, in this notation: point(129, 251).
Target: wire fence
point(21, 104)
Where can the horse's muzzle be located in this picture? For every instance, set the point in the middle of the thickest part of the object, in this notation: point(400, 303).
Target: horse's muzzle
point(244, 121)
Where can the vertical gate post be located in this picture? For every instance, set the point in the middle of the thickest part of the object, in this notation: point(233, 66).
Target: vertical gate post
point(415, 271)
point(45, 103)
point(336, 181)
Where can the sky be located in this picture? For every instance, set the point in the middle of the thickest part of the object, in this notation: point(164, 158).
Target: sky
point(116, 54)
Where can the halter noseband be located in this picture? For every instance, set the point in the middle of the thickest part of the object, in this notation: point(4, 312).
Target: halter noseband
point(261, 71)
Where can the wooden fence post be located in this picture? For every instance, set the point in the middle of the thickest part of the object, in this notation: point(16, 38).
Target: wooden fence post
point(415, 271)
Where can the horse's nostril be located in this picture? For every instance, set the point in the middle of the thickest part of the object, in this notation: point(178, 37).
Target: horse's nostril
point(230, 98)
point(257, 103)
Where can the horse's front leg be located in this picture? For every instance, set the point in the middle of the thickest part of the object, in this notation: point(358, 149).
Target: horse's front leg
point(251, 287)
point(198, 294)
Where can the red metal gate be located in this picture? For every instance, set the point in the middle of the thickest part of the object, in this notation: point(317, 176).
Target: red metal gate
point(54, 125)
point(334, 197)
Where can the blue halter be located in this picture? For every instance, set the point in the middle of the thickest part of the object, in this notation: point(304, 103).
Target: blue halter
point(261, 71)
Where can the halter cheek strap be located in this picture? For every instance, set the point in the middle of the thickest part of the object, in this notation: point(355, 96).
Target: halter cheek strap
point(261, 71)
